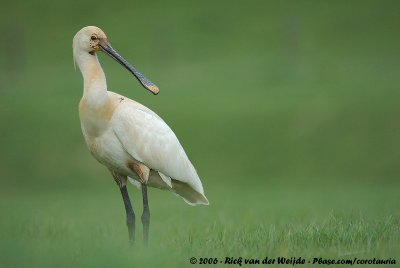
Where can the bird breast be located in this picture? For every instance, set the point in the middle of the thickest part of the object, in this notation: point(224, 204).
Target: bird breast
point(95, 120)
point(100, 137)
point(108, 150)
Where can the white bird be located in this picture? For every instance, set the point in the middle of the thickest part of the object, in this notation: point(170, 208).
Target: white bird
point(132, 141)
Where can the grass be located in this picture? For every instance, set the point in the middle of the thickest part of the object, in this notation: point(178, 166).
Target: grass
point(86, 228)
point(288, 110)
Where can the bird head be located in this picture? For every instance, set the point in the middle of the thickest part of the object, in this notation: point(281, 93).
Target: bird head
point(92, 39)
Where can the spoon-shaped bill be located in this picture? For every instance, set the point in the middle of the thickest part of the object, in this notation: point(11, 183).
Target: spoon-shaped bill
point(107, 48)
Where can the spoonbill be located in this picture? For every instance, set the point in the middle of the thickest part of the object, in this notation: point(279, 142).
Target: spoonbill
point(132, 141)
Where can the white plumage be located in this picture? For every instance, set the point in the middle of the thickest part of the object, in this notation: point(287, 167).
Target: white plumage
point(122, 133)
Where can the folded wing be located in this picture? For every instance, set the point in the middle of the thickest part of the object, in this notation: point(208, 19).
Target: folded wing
point(148, 139)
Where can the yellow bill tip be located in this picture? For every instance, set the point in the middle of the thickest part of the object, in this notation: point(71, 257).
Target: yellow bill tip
point(154, 89)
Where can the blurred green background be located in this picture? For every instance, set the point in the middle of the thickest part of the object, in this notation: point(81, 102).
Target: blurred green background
point(289, 111)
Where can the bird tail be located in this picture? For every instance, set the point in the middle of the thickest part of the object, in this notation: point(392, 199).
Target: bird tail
point(184, 190)
point(189, 195)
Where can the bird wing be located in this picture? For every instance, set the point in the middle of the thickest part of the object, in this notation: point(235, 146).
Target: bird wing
point(148, 139)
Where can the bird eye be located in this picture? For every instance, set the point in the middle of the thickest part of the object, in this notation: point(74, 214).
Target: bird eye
point(93, 37)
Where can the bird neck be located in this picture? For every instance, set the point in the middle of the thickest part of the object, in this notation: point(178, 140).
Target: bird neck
point(94, 79)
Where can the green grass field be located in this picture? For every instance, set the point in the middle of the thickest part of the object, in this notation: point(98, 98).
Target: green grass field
point(86, 228)
point(288, 110)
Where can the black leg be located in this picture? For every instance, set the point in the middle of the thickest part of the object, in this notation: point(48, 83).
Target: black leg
point(145, 215)
point(130, 214)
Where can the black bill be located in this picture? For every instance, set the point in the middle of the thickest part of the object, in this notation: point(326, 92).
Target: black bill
point(106, 48)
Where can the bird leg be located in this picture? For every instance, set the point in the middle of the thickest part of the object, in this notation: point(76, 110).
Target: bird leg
point(143, 172)
point(145, 215)
point(130, 214)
